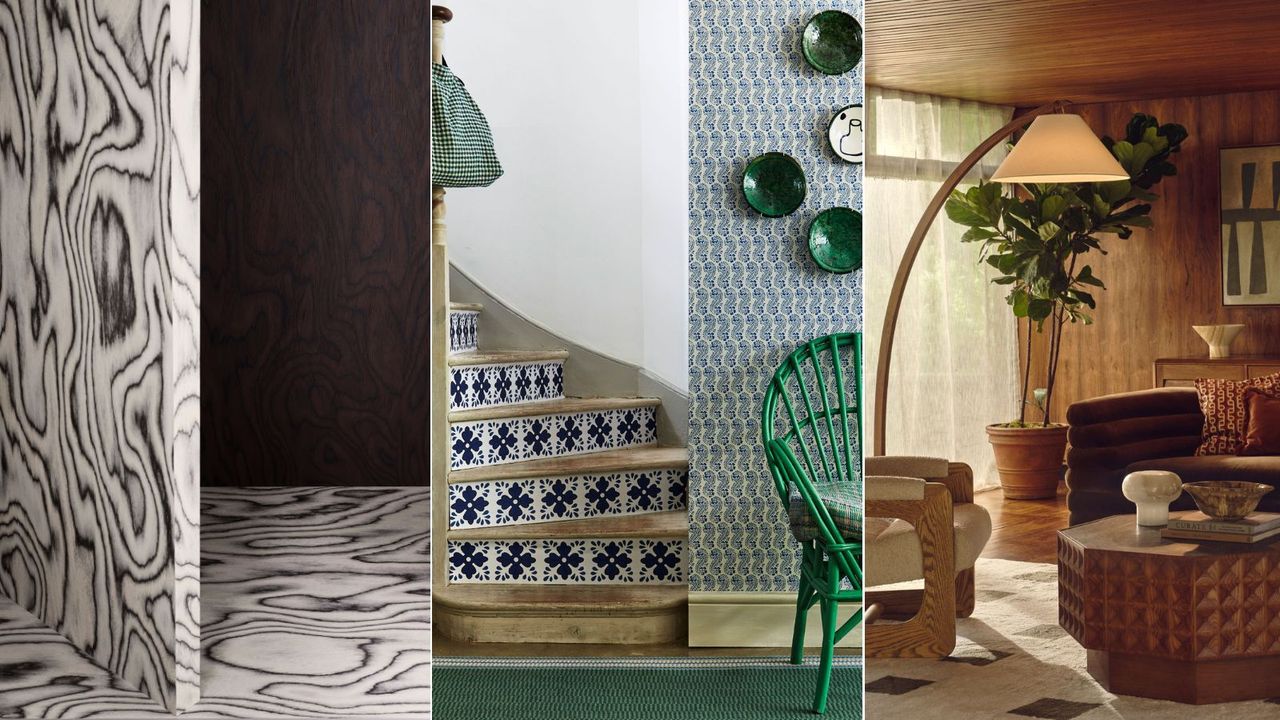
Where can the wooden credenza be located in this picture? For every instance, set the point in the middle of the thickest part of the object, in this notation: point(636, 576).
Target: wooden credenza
point(1182, 372)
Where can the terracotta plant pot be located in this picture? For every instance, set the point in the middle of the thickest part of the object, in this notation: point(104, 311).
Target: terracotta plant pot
point(1029, 459)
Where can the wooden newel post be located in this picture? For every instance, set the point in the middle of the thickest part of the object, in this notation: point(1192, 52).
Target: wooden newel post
point(439, 371)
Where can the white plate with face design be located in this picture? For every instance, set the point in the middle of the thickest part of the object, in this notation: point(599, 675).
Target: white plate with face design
point(845, 133)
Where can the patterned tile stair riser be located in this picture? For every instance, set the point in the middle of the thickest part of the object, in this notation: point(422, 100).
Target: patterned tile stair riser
point(567, 562)
point(505, 440)
point(464, 330)
point(478, 386)
point(533, 500)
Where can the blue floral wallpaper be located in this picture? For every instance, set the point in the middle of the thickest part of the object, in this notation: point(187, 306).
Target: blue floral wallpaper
point(754, 292)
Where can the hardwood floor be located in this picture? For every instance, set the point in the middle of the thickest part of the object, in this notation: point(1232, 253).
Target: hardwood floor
point(1024, 530)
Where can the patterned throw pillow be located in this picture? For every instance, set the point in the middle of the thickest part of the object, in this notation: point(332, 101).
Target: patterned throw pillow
point(1222, 402)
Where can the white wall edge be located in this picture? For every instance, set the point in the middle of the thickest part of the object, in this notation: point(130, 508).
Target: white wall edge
point(506, 304)
point(756, 619)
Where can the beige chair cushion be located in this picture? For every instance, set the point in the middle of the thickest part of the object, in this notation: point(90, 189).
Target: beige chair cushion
point(892, 549)
point(928, 468)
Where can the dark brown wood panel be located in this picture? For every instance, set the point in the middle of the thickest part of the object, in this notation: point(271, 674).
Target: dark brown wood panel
point(315, 225)
point(1162, 281)
point(1029, 52)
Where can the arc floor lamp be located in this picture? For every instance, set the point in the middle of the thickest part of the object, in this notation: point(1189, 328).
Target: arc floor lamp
point(1056, 148)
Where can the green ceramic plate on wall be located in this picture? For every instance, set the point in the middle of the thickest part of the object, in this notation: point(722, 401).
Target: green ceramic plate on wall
point(774, 184)
point(832, 42)
point(835, 240)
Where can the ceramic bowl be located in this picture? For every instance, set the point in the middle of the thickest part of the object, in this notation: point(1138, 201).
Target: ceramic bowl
point(832, 42)
point(774, 184)
point(835, 240)
point(1227, 499)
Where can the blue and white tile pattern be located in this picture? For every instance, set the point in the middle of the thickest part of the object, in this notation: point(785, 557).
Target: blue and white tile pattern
point(567, 562)
point(505, 440)
point(477, 386)
point(464, 330)
point(577, 497)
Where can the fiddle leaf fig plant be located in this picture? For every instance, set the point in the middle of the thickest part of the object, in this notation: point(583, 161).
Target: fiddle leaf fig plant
point(1038, 237)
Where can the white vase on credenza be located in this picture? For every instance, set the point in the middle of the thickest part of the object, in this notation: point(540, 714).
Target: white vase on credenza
point(1219, 338)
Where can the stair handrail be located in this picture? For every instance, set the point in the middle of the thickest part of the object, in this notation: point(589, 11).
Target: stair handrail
point(439, 448)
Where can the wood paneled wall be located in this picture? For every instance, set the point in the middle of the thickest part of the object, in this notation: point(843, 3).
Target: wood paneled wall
point(1162, 281)
point(315, 225)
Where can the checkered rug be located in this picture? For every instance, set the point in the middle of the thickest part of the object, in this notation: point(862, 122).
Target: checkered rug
point(1013, 661)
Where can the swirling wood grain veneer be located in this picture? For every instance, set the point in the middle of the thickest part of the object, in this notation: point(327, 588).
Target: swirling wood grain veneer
point(90, 508)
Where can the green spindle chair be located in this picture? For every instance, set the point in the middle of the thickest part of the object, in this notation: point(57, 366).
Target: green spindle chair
point(816, 466)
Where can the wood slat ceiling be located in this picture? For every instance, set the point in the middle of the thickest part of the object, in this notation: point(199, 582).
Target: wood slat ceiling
point(1028, 52)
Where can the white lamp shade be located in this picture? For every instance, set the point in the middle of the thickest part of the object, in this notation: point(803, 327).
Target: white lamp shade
point(1059, 148)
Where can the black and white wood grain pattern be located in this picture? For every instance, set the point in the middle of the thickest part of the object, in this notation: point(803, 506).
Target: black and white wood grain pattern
point(90, 506)
point(182, 349)
point(316, 602)
point(42, 675)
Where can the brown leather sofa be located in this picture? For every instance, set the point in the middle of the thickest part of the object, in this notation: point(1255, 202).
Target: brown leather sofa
point(1114, 435)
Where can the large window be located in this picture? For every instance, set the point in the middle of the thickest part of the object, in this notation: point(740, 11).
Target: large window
point(955, 356)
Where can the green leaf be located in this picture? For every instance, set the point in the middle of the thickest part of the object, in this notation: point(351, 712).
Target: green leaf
point(978, 234)
point(1116, 190)
point(990, 192)
point(1052, 206)
point(1142, 152)
point(1039, 309)
point(1123, 151)
point(1086, 277)
point(1020, 301)
point(960, 211)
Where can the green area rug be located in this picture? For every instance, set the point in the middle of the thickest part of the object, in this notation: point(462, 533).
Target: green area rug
point(639, 689)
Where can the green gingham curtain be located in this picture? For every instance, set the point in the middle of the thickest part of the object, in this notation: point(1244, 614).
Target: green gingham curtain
point(462, 152)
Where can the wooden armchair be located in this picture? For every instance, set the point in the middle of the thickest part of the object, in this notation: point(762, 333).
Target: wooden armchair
point(921, 524)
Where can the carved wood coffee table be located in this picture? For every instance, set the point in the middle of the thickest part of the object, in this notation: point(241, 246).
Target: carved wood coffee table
point(1174, 620)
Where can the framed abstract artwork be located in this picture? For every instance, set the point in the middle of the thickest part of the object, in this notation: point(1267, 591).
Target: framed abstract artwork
point(1249, 184)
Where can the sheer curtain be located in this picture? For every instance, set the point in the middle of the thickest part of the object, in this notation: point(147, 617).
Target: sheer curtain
point(955, 356)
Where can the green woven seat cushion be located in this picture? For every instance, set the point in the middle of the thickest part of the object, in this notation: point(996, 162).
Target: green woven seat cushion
point(842, 503)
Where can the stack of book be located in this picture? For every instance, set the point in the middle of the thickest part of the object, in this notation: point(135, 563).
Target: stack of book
point(1196, 525)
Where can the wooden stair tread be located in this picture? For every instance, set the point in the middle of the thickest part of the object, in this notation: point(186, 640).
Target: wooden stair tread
point(552, 407)
point(556, 600)
point(465, 307)
point(506, 357)
point(670, 525)
point(635, 458)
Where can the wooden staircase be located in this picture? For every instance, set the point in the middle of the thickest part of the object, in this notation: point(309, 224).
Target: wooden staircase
point(554, 519)
point(566, 522)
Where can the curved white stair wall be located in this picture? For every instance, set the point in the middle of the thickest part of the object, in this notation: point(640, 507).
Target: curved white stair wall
point(591, 373)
